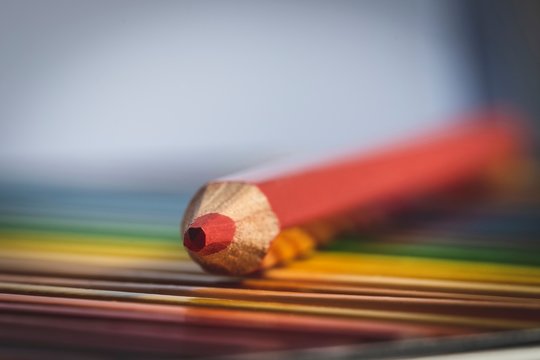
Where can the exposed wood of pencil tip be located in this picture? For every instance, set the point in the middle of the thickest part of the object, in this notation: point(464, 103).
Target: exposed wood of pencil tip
point(248, 221)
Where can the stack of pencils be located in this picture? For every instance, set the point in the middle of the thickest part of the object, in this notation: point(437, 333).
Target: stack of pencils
point(103, 274)
point(438, 255)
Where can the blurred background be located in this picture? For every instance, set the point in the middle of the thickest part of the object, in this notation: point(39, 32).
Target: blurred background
point(169, 93)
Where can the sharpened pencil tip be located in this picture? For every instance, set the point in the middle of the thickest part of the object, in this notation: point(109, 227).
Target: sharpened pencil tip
point(209, 233)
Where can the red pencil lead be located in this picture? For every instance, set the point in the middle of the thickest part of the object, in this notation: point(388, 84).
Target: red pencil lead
point(209, 233)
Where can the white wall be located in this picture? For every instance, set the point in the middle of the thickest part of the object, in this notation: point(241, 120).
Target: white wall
point(90, 89)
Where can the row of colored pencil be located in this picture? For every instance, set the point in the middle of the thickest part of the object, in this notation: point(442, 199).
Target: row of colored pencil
point(103, 274)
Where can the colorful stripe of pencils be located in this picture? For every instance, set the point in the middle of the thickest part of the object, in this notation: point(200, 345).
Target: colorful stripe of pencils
point(72, 291)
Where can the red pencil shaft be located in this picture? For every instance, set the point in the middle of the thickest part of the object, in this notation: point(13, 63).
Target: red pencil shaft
point(419, 167)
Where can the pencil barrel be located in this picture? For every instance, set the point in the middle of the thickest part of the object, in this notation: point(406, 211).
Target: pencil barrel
point(284, 214)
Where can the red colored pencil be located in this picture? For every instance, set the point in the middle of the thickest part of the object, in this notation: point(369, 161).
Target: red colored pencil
point(246, 222)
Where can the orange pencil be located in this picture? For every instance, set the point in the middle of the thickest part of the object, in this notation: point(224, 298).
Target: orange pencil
point(247, 222)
